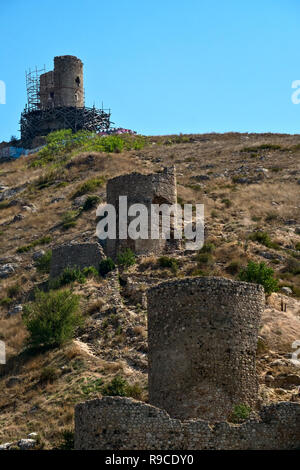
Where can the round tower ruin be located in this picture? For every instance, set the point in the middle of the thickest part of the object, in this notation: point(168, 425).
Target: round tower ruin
point(55, 101)
point(202, 336)
point(157, 188)
point(68, 81)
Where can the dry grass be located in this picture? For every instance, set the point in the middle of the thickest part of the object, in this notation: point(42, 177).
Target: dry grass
point(103, 350)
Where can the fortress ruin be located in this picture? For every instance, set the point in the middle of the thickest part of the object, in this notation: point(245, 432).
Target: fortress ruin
point(202, 337)
point(202, 347)
point(79, 255)
point(157, 188)
point(55, 100)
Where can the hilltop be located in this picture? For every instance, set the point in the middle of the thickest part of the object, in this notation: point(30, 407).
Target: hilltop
point(248, 183)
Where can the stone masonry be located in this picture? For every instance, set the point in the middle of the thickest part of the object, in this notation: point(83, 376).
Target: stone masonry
point(115, 423)
point(78, 255)
point(202, 336)
point(157, 188)
point(63, 86)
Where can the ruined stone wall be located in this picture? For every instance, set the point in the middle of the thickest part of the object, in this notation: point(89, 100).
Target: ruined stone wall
point(156, 188)
point(115, 423)
point(202, 337)
point(79, 255)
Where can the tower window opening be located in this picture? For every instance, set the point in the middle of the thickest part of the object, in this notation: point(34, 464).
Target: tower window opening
point(77, 80)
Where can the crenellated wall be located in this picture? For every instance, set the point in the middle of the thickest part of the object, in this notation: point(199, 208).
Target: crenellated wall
point(115, 423)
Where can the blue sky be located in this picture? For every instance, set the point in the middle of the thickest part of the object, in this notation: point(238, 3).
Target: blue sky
point(162, 66)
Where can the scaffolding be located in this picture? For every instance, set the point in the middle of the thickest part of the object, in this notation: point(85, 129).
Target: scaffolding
point(40, 122)
point(33, 88)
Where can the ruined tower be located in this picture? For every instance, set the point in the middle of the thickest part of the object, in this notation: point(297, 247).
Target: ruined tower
point(156, 188)
point(55, 100)
point(63, 86)
point(202, 336)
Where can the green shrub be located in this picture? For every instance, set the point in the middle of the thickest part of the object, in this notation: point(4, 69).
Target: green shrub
point(6, 301)
point(297, 246)
point(264, 239)
point(40, 241)
point(67, 442)
point(204, 258)
point(261, 147)
point(52, 318)
point(167, 262)
point(227, 202)
point(13, 290)
point(88, 186)
point(90, 271)
point(47, 179)
point(117, 387)
point(233, 267)
point(69, 219)
point(91, 202)
point(62, 145)
point(207, 248)
point(48, 375)
point(105, 266)
point(292, 266)
point(68, 276)
point(126, 258)
point(240, 413)
point(259, 273)
point(43, 263)
point(92, 386)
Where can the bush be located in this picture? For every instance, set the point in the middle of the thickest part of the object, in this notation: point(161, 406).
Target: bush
point(40, 241)
point(233, 267)
point(240, 413)
point(264, 239)
point(62, 145)
point(204, 258)
point(259, 273)
point(90, 271)
point(208, 248)
point(67, 442)
point(227, 202)
point(88, 186)
point(91, 202)
point(126, 258)
point(292, 266)
point(66, 277)
point(43, 263)
point(69, 219)
point(48, 375)
point(105, 266)
point(120, 387)
point(117, 387)
point(13, 290)
point(6, 301)
point(52, 318)
point(167, 262)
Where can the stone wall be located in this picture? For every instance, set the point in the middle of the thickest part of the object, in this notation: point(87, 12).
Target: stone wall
point(156, 188)
point(79, 255)
point(115, 423)
point(202, 337)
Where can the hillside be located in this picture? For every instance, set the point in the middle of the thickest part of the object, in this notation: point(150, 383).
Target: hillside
point(247, 182)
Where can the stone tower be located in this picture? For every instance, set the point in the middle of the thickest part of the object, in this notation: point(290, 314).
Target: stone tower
point(202, 336)
point(157, 188)
point(63, 86)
